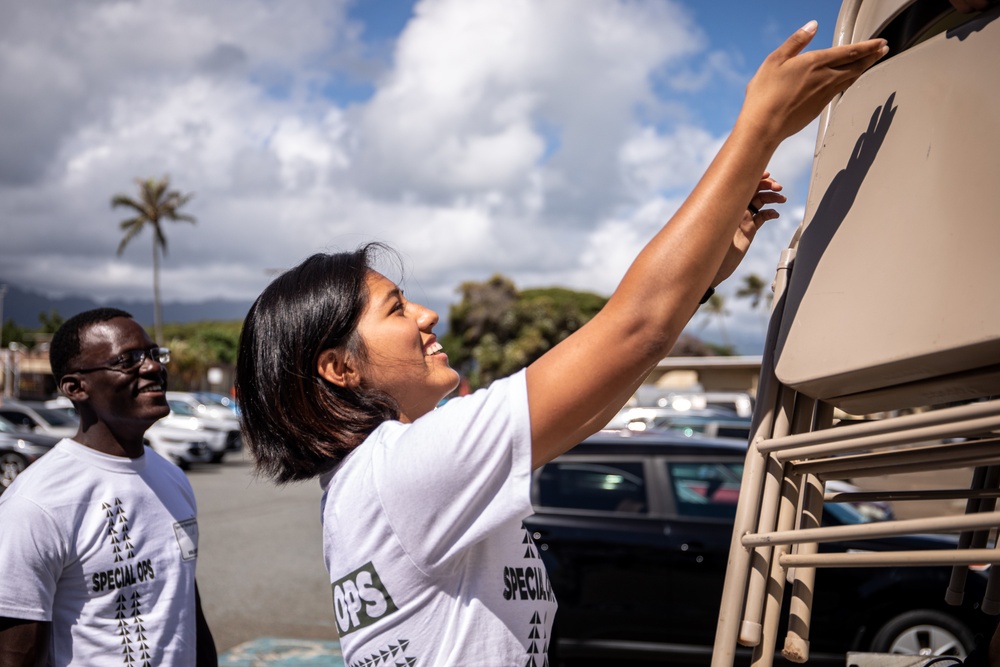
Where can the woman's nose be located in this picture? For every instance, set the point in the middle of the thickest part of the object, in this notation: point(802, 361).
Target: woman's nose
point(426, 318)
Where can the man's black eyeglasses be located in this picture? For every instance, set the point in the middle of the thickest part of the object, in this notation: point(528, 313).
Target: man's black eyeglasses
point(126, 362)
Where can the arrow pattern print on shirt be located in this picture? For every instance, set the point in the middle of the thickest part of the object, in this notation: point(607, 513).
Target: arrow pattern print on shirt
point(128, 602)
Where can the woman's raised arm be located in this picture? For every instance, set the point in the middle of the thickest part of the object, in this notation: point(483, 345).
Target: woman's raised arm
point(593, 372)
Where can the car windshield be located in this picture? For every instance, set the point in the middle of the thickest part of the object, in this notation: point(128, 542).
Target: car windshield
point(845, 514)
point(183, 409)
point(215, 399)
point(7, 427)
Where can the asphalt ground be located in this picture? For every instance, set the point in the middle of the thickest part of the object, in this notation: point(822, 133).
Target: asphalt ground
point(263, 584)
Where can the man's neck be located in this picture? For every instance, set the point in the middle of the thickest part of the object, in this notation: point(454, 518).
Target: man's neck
point(118, 441)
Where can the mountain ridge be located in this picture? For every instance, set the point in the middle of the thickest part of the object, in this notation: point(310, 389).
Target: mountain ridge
point(24, 306)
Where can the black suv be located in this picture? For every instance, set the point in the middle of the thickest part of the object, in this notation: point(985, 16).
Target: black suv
point(635, 530)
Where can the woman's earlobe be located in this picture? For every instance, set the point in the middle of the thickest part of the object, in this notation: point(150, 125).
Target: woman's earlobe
point(333, 366)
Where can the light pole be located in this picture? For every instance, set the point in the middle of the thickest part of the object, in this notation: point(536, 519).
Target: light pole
point(6, 362)
point(3, 291)
point(16, 352)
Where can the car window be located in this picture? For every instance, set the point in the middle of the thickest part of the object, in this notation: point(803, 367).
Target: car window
point(706, 489)
point(18, 419)
point(56, 417)
point(179, 408)
point(738, 431)
point(603, 486)
point(7, 426)
point(843, 513)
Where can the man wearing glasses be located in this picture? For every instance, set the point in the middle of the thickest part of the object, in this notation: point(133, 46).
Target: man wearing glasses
point(99, 538)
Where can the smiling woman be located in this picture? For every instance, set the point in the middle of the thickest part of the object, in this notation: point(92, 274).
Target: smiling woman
point(339, 375)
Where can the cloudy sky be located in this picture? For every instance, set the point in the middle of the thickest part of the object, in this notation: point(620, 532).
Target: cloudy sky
point(542, 139)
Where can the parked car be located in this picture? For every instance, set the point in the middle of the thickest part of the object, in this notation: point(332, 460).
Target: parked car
point(209, 398)
point(179, 444)
point(38, 418)
point(220, 435)
point(183, 441)
point(639, 418)
point(202, 404)
point(634, 529)
point(18, 450)
point(873, 510)
point(709, 426)
point(736, 403)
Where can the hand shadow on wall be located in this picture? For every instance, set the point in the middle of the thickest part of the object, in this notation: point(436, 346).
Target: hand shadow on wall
point(831, 211)
point(963, 31)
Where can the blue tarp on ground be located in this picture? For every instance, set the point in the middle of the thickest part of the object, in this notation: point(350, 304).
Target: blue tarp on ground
point(279, 652)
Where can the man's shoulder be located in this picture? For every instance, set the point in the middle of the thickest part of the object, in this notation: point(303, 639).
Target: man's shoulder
point(50, 472)
point(165, 469)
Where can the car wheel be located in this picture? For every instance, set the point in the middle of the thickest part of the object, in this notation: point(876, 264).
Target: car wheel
point(924, 632)
point(11, 465)
point(218, 456)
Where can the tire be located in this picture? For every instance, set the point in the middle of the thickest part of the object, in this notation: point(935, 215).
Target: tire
point(924, 632)
point(11, 465)
point(217, 457)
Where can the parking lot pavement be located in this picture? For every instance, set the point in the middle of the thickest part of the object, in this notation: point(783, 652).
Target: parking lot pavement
point(280, 652)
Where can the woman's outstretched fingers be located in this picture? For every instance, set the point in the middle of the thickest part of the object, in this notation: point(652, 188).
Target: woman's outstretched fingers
point(791, 87)
point(863, 54)
point(797, 41)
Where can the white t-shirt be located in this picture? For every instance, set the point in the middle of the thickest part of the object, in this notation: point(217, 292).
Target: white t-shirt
point(429, 561)
point(105, 548)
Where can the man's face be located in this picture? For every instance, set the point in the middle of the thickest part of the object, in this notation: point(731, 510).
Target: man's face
point(138, 395)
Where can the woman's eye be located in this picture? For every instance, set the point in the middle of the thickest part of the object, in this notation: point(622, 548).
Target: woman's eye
point(398, 308)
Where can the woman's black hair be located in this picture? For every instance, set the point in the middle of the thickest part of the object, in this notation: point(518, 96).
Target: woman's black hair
point(296, 424)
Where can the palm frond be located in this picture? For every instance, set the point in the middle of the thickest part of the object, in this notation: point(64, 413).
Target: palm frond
point(131, 230)
point(125, 200)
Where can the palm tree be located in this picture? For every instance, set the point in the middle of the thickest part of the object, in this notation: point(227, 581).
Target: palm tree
point(755, 288)
point(156, 202)
point(716, 307)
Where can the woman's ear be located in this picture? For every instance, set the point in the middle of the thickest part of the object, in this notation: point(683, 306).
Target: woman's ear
point(335, 367)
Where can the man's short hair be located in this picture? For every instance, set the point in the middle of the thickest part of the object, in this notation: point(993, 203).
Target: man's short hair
point(65, 345)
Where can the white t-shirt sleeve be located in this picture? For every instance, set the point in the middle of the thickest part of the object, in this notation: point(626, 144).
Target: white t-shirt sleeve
point(458, 473)
point(32, 553)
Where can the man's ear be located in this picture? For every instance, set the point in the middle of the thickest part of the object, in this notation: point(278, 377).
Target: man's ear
point(73, 387)
point(336, 367)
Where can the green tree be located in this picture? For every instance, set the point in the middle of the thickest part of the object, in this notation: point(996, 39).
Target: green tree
point(496, 330)
point(196, 347)
point(11, 332)
point(50, 321)
point(756, 289)
point(156, 202)
point(715, 309)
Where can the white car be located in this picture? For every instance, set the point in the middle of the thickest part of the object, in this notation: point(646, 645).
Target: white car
point(183, 446)
point(200, 407)
point(213, 398)
point(221, 435)
point(182, 443)
point(40, 418)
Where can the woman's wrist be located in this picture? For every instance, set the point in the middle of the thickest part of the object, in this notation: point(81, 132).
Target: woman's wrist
point(757, 131)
